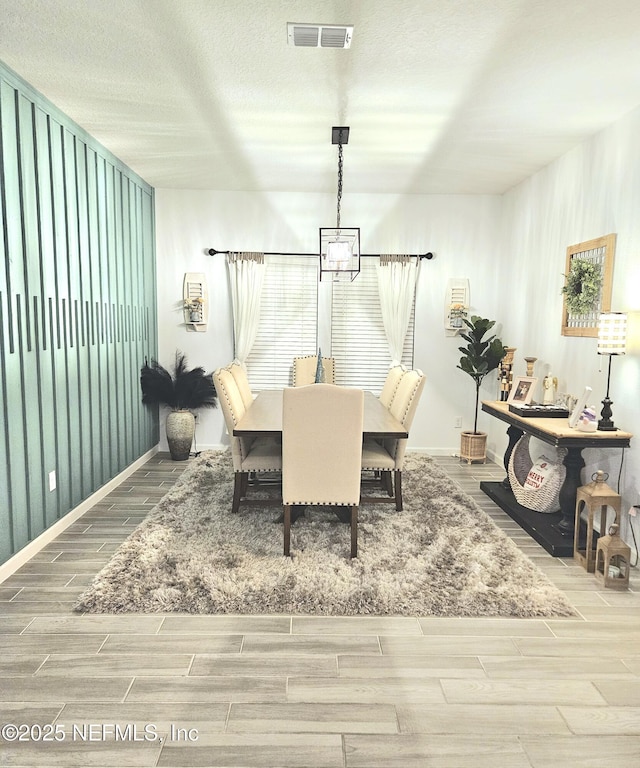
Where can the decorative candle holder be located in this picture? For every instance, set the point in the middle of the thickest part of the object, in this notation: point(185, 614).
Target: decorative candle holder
point(613, 559)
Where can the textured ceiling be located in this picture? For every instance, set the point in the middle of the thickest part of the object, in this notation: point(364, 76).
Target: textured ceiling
point(442, 96)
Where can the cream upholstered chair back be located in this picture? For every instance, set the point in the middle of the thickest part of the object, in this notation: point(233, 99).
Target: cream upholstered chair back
point(249, 454)
point(240, 376)
point(403, 407)
point(391, 384)
point(304, 370)
point(233, 409)
point(321, 445)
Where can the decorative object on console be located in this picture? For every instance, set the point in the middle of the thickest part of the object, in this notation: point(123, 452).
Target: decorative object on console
point(505, 373)
point(590, 498)
point(613, 559)
point(530, 361)
point(549, 387)
point(587, 421)
point(579, 406)
point(339, 246)
point(612, 340)
point(522, 390)
point(587, 288)
point(182, 391)
point(530, 410)
point(479, 357)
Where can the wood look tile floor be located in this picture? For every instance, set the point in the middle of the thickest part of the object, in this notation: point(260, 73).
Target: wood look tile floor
point(293, 691)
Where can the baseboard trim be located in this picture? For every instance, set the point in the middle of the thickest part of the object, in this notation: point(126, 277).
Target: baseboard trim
point(210, 447)
point(434, 451)
point(21, 557)
point(454, 452)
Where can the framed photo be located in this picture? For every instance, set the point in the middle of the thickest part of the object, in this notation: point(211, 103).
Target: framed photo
point(522, 389)
point(580, 405)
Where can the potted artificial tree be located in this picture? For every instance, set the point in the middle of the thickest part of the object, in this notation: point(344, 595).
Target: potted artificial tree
point(183, 391)
point(480, 357)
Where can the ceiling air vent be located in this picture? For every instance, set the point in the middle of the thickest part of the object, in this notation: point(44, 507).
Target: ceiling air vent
point(319, 35)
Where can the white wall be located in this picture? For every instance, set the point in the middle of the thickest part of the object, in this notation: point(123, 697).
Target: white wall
point(462, 232)
point(591, 191)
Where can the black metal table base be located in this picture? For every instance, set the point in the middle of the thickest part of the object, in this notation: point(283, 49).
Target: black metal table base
point(541, 527)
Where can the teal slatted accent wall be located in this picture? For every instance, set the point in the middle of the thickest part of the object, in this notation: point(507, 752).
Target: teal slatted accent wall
point(77, 314)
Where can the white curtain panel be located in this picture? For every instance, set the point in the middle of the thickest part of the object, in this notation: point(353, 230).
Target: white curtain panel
point(397, 277)
point(246, 275)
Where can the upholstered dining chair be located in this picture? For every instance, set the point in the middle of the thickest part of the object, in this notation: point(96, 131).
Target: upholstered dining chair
point(248, 455)
point(321, 451)
point(390, 386)
point(388, 456)
point(304, 370)
point(240, 376)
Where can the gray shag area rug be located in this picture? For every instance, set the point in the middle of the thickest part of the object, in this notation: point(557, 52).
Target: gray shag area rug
point(441, 556)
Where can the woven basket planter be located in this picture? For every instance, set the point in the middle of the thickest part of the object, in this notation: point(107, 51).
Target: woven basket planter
point(546, 498)
point(473, 446)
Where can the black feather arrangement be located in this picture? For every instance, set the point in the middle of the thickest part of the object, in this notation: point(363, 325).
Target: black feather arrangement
point(181, 389)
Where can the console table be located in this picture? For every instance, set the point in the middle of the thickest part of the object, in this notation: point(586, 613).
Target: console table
point(553, 531)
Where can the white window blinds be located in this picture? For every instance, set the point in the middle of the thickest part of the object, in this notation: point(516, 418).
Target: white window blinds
point(358, 341)
point(288, 320)
point(289, 325)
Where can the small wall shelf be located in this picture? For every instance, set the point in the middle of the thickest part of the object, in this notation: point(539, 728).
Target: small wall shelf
point(456, 305)
point(194, 292)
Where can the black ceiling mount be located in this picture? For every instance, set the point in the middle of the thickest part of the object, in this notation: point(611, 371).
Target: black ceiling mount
point(340, 134)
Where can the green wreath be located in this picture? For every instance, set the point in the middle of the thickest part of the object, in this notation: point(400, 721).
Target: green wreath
point(582, 287)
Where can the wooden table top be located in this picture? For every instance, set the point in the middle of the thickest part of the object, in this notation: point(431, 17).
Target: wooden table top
point(264, 417)
point(556, 431)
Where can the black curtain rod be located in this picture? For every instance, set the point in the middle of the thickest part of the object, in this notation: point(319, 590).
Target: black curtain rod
point(213, 251)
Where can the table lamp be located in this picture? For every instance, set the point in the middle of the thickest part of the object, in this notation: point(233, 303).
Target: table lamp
point(612, 339)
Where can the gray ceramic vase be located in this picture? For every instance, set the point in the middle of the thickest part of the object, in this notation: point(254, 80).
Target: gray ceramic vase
point(181, 427)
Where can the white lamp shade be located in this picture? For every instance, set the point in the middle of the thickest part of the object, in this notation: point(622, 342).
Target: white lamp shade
point(612, 333)
point(340, 252)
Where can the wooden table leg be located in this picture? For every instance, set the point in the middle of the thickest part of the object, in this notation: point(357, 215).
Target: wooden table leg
point(514, 435)
point(574, 463)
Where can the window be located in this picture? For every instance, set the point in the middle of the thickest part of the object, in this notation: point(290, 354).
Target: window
point(288, 320)
point(291, 315)
point(358, 341)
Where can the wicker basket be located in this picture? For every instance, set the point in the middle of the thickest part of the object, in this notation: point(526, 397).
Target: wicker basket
point(473, 446)
point(543, 499)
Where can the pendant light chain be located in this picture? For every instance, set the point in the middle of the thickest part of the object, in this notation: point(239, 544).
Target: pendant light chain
point(339, 184)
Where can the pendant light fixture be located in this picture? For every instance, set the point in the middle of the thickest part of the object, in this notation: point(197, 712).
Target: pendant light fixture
point(339, 246)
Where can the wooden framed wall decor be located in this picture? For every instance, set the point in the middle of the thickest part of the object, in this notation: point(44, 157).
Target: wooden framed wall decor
point(596, 257)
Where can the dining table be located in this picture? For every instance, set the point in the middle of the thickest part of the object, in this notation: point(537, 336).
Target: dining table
point(264, 418)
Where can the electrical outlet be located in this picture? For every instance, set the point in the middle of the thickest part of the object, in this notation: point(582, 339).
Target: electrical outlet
point(458, 423)
point(52, 480)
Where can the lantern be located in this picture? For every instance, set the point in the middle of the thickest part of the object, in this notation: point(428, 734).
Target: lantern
point(613, 558)
point(595, 496)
